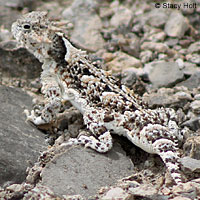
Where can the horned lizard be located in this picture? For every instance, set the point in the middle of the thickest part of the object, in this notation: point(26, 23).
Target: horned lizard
point(107, 106)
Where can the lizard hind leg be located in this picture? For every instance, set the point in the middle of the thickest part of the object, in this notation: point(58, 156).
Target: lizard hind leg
point(168, 152)
point(101, 144)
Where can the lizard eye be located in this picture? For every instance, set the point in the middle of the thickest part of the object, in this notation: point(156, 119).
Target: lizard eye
point(26, 26)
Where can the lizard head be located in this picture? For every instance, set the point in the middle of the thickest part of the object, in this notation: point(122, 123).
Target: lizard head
point(35, 32)
point(42, 37)
point(31, 28)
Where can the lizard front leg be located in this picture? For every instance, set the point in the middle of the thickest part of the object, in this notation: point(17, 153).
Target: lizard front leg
point(48, 114)
point(50, 110)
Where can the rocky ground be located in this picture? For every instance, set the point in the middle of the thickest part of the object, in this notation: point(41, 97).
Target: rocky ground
point(154, 51)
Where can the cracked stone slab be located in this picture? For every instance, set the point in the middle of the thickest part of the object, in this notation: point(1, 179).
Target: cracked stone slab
point(84, 171)
point(20, 144)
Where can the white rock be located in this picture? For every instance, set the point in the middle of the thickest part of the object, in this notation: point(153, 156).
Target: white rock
point(123, 61)
point(195, 106)
point(122, 16)
point(115, 193)
point(176, 25)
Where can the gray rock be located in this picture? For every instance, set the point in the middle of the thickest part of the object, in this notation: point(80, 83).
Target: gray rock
point(7, 15)
point(192, 82)
point(183, 95)
point(176, 25)
point(122, 16)
point(163, 74)
point(79, 6)
point(191, 147)
point(157, 17)
point(193, 124)
point(195, 106)
point(39, 192)
point(128, 78)
point(86, 33)
point(180, 63)
point(18, 62)
point(19, 4)
point(197, 97)
point(168, 98)
point(84, 171)
point(190, 68)
point(131, 45)
point(123, 61)
point(116, 193)
point(157, 99)
point(5, 35)
point(177, 47)
point(190, 9)
point(162, 56)
point(128, 43)
point(191, 164)
point(146, 56)
point(193, 58)
point(171, 42)
point(186, 191)
point(159, 197)
point(20, 143)
point(105, 12)
point(137, 28)
point(10, 10)
point(146, 191)
point(26, 192)
point(155, 46)
point(132, 78)
point(182, 52)
point(156, 37)
point(194, 47)
point(87, 25)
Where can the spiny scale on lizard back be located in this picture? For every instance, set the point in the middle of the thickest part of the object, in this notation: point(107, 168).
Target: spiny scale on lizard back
point(42, 39)
point(106, 105)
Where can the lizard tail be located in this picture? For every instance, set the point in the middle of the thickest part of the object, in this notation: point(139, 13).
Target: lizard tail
point(168, 152)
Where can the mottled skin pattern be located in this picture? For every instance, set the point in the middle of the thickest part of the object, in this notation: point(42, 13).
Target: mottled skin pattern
point(107, 107)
